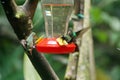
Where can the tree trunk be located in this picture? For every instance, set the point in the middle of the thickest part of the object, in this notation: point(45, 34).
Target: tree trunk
point(81, 64)
point(86, 69)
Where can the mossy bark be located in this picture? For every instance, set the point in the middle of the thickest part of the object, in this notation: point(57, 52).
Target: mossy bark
point(81, 64)
point(86, 69)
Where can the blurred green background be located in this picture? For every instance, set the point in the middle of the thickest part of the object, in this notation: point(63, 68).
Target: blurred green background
point(105, 23)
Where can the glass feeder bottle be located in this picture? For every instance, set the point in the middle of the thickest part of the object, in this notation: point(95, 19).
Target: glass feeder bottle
point(56, 14)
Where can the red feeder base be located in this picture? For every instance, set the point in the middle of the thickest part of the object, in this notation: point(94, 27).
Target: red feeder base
point(50, 45)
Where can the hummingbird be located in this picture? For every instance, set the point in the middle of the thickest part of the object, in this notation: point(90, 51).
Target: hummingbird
point(71, 36)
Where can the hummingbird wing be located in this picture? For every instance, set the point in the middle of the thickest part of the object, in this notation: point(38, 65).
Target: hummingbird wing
point(81, 32)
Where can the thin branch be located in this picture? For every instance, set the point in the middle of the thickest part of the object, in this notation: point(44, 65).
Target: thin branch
point(86, 67)
point(72, 67)
point(30, 6)
point(10, 7)
point(20, 19)
point(41, 65)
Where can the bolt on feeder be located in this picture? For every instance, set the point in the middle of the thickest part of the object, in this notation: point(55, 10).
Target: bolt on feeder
point(56, 15)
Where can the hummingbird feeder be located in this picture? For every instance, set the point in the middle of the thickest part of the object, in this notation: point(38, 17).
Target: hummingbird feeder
point(56, 15)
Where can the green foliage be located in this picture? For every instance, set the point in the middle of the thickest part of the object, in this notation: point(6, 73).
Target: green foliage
point(115, 73)
point(38, 21)
point(10, 61)
point(96, 15)
point(105, 22)
point(101, 75)
point(101, 35)
point(20, 2)
point(106, 34)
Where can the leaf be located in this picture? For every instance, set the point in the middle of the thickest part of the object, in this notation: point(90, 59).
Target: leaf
point(115, 73)
point(38, 21)
point(114, 22)
point(101, 35)
point(96, 15)
point(114, 37)
point(105, 3)
point(29, 71)
point(20, 2)
point(101, 75)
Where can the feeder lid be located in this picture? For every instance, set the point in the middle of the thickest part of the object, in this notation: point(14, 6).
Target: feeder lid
point(50, 45)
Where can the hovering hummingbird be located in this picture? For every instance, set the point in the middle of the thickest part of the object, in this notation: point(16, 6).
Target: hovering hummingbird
point(71, 36)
